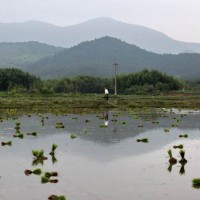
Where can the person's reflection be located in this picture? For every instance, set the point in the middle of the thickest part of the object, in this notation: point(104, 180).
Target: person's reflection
point(105, 115)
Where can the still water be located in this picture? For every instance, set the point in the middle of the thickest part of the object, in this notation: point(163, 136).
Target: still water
point(103, 162)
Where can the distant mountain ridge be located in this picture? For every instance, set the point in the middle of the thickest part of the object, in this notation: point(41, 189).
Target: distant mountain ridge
point(22, 53)
point(96, 58)
point(69, 36)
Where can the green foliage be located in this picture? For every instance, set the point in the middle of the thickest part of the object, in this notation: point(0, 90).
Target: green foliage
point(196, 183)
point(15, 80)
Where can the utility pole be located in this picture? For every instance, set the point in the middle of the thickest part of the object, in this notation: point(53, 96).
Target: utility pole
point(115, 65)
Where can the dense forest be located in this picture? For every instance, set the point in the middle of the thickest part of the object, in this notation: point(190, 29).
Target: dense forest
point(96, 58)
point(143, 82)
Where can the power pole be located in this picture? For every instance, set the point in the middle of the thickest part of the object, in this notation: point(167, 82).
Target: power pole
point(115, 65)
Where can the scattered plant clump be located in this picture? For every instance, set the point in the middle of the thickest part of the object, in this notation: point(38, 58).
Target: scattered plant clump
point(53, 148)
point(196, 183)
point(36, 172)
point(55, 197)
point(180, 146)
point(39, 155)
point(185, 135)
point(9, 143)
point(44, 179)
point(145, 140)
point(33, 134)
point(59, 125)
point(172, 160)
point(72, 136)
point(183, 161)
point(50, 174)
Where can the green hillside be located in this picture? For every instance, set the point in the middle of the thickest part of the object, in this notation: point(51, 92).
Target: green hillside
point(21, 53)
point(96, 58)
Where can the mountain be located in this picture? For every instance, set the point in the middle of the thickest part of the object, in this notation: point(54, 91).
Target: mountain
point(96, 58)
point(69, 36)
point(21, 53)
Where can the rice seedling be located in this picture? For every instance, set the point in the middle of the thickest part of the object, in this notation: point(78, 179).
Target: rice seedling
point(183, 161)
point(145, 140)
point(59, 125)
point(172, 160)
point(33, 134)
point(102, 126)
point(87, 120)
point(39, 154)
point(180, 146)
point(74, 118)
point(140, 126)
point(182, 170)
point(53, 159)
point(19, 135)
point(196, 183)
point(123, 122)
point(72, 136)
point(50, 174)
point(185, 136)
point(44, 179)
point(55, 197)
point(85, 130)
point(9, 143)
point(53, 148)
point(37, 171)
point(166, 130)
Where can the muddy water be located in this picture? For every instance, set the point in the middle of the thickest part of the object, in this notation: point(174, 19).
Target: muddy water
point(103, 162)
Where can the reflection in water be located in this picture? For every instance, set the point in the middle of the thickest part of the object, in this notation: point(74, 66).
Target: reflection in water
point(182, 170)
point(53, 159)
point(105, 115)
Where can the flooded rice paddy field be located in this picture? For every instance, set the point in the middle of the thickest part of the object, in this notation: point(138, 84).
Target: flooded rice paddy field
point(98, 156)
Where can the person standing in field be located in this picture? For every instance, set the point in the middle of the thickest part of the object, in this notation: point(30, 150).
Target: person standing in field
point(106, 94)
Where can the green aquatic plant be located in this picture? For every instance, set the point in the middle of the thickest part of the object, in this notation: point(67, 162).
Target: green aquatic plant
point(19, 135)
point(172, 160)
point(50, 174)
point(196, 183)
point(37, 171)
point(72, 136)
point(87, 120)
point(55, 197)
point(39, 154)
point(44, 179)
point(145, 140)
point(33, 134)
point(180, 146)
point(183, 161)
point(185, 135)
point(59, 125)
point(166, 130)
point(9, 143)
point(53, 148)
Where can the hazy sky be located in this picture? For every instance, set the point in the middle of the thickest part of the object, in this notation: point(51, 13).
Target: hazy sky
point(179, 19)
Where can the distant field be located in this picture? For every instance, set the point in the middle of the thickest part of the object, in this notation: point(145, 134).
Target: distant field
point(50, 103)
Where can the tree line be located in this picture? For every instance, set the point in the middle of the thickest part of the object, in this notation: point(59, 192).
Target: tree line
point(143, 82)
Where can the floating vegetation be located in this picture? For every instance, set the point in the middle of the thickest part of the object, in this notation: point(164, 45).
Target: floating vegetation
point(19, 135)
point(37, 171)
point(55, 197)
point(182, 170)
point(44, 179)
point(196, 183)
point(140, 126)
point(145, 140)
point(9, 143)
point(183, 161)
point(180, 146)
point(53, 148)
point(50, 174)
point(172, 160)
point(39, 154)
point(185, 135)
point(72, 136)
point(33, 134)
point(59, 125)
point(166, 130)
point(85, 130)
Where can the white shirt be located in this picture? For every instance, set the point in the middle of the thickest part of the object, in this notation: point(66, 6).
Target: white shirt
point(106, 91)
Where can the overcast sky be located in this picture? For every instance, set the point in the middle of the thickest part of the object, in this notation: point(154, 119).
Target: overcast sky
point(179, 19)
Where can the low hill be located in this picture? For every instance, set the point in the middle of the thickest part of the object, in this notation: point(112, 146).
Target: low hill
point(96, 58)
point(21, 53)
